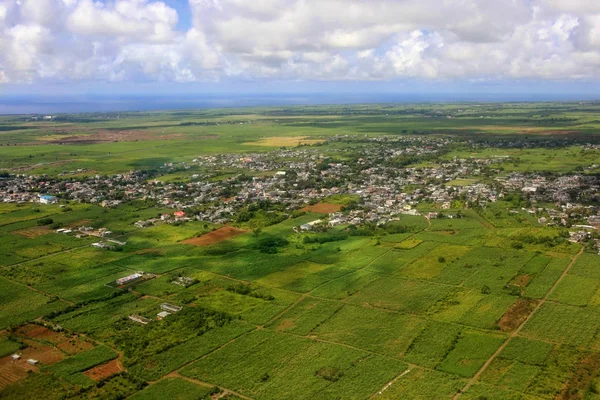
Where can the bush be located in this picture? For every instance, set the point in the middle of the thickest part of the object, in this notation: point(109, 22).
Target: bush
point(45, 221)
point(271, 244)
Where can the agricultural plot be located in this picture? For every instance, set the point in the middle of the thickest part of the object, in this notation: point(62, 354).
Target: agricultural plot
point(429, 266)
point(153, 368)
point(71, 368)
point(276, 366)
point(471, 351)
point(563, 324)
point(410, 308)
point(382, 332)
point(20, 304)
point(173, 388)
point(305, 316)
point(400, 294)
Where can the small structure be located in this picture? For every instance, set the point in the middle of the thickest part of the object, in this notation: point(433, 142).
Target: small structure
point(32, 361)
point(139, 319)
point(162, 314)
point(179, 214)
point(309, 225)
point(129, 278)
point(47, 199)
point(172, 308)
point(15, 357)
point(184, 281)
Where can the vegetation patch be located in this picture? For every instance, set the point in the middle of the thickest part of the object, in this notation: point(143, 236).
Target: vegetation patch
point(516, 314)
point(216, 236)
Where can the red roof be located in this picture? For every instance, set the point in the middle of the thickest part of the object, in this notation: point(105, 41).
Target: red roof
point(179, 214)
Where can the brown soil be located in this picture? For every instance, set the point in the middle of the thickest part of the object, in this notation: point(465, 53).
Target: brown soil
point(33, 232)
point(285, 325)
point(104, 136)
point(521, 280)
point(220, 235)
point(75, 346)
point(581, 378)
point(41, 333)
point(12, 371)
point(324, 208)
point(46, 355)
point(104, 371)
point(516, 314)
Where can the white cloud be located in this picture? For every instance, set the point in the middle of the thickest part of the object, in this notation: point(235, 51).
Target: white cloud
point(140, 40)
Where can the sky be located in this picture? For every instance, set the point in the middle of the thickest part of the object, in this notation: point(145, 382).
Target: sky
point(202, 47)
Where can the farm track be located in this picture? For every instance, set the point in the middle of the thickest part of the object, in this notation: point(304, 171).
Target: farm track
point(226, 391)
point(516, 332)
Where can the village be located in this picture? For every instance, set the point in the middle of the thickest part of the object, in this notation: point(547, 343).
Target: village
point(376, 173)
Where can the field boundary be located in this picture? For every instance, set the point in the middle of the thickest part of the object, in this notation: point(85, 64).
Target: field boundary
point(516, 332)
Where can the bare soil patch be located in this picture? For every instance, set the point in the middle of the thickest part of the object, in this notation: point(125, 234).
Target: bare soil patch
point(33, 232)
point(217, 236)
point(40, 332)
point(324, 208)
point(581, 378)
point(285, 325)
point(46, 355)
point(75, 346)
point(521, 280)
point(105, 370)
point(11, 371)
point(516, 314)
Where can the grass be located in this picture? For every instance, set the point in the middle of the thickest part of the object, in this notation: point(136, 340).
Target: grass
point(271, 366)
point(152, 368)
point(563, 324)
point(471, 351)
point(380, 331)
point(173, 388)
point(20, 304)
point(400, 294)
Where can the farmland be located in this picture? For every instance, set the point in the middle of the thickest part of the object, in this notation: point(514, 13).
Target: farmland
point(260, 254)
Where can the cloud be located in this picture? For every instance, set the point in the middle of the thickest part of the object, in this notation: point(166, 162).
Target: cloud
point(139, 40)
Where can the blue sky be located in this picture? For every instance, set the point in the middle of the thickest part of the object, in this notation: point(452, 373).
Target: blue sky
point(200, 47)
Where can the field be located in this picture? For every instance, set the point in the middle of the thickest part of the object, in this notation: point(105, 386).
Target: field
point(216, 236)
point(443, 300)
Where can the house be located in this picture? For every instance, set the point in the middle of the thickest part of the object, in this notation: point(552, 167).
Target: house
point(47, 199)
point(15, 357)
point(139, 319)
point(32, 361)
point(172, 308)
point(309, 225)
point(336, 222)
point(162, 314)
point(179, 214)
point(129, 278)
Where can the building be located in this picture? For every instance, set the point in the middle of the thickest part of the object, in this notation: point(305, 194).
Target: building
point(309, 225)
point(15, 357)
point(162, 314)
point(170, 307)
point(129, 278)
point(32, 361)
point(139, 319)
point(47, 199)
point(179, 214)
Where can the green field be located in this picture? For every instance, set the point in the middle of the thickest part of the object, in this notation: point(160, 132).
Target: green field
point(482, 296)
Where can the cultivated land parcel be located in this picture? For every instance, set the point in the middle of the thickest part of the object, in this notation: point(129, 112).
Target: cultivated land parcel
point(335, 252)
